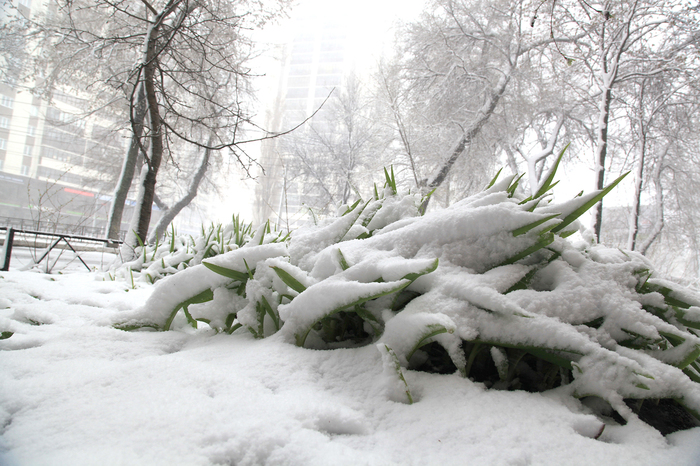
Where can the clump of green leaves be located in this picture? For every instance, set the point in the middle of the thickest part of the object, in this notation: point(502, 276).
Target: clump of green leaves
point(490, 288)
point(176, 252)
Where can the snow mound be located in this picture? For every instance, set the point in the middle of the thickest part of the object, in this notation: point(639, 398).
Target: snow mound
point(490, 288)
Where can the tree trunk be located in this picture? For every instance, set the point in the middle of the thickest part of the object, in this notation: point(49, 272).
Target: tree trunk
point(128, 168)
point(138, 231)
point(470, 133)
point(601, 153)
point(189, 196)
point(637, 201)
point(659, 224)
point(148, 181)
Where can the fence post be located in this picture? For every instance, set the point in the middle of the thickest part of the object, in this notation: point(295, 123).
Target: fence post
point(7, 249)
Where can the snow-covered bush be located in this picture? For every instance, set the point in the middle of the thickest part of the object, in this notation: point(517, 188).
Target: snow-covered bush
point(177, 252)
point(490, 287)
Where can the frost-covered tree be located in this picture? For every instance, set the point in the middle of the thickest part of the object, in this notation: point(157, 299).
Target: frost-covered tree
point(463, 85)
point(331, 158)
point(179, 66)
point(617, 43)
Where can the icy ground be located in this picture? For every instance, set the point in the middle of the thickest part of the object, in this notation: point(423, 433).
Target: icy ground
point(74, 391)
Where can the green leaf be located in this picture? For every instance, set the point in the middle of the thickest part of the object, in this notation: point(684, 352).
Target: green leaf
point(288, 280)
point(524, 229)
point(248, 270)
point(493, 181)
point(368, 317)
point(234, 328)
point(271, 312)
point(203, 297)
point(341, 260)
point(524, 282)
point(413, 276)
point(390, 180)
point(301, 335)
point(553, 355)
point(514, 185)
point(547, 184)
point(399, 372)
point(6, 335)
point(431, 330)
point(690, 357)
point(226, 272)
point(545, 240)
point(590, 203)
point(352, 207)
point(692, 374)
point(129, 328)
point(172, 238)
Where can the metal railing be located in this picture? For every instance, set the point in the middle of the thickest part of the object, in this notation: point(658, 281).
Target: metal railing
point(54, 238)
point(55, 227)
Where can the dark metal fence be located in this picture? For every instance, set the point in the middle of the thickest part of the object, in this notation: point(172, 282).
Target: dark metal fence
point(53, 227)
point(50, 241)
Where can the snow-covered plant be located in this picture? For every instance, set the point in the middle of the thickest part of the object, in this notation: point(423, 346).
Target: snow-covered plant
point(490, 287)
point(177, 252)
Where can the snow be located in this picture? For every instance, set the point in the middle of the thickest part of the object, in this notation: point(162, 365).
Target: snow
point(75, 391)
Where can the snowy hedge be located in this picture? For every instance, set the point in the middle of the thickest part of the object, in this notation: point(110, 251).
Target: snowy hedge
point(490, 287)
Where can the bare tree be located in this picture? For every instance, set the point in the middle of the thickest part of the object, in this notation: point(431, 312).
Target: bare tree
point(335, 156)
point(180, 64)
point(619, 42)
point(459, 62)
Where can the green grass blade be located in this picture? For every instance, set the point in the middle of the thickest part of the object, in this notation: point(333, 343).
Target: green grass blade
point(352, 207)
point(271, 312)
point(414, 275)
point(203, 297)
point(172, 238)
point(368, 317)
point(545, 240)
point(341, 260)
point(390, 180)
point(690, 357)
point(511, 189)
point(226, 272)
point(526, 228)
point(288, 280)
point(493, 180)
point(301, 335)
point(399, 372)
point(431, 330)
point(593, 201)
point(547, 184)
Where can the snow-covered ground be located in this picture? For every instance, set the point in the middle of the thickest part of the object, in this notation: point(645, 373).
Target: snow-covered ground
point(75, 391)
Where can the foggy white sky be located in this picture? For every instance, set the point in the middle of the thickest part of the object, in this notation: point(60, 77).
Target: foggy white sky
point(370, 24)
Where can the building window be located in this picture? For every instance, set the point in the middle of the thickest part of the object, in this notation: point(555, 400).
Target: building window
point(6, 101)
point(28, 151)
point(25, 170)
point(31, 131)
point(34, 110)
point(4, 122)
point(297, 92)
point(3, 144)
